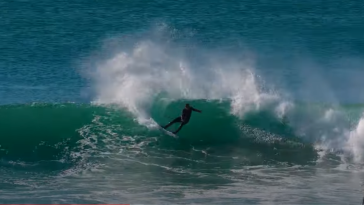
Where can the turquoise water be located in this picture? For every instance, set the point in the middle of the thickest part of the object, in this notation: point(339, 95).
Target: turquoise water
point(84, 84)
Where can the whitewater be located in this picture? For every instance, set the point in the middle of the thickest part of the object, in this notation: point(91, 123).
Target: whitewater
point(81, 102)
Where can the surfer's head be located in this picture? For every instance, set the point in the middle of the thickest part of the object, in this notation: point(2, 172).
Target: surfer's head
point(187, 105)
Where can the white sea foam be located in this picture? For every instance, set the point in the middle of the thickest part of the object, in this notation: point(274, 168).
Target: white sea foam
point(133, 77)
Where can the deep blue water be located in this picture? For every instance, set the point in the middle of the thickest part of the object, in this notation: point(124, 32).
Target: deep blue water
point(294, 43)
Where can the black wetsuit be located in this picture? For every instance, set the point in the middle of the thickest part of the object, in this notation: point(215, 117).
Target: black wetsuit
point(184, 118)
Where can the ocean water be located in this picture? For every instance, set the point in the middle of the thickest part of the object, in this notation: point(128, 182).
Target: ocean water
point(84, 85)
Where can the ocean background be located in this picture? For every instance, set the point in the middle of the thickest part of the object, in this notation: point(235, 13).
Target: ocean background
point(84, 85)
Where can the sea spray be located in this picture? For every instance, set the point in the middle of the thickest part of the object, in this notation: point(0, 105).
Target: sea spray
point(355, 143)
point(135, 78)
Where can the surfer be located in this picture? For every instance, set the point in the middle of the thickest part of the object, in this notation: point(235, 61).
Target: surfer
point(186, 114)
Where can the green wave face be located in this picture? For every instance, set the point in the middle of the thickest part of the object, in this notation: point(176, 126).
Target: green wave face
point(57, 136)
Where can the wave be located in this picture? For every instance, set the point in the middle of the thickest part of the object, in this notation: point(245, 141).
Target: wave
point(60, 136)
point(149, 74)
point(147, 82)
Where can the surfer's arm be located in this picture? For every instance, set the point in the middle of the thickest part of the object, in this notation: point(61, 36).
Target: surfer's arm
point(196, 110)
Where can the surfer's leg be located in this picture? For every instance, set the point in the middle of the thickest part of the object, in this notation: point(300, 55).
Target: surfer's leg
point(178, 119)
point(180, 127)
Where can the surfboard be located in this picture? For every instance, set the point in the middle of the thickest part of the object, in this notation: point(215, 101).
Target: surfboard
point(168, 132)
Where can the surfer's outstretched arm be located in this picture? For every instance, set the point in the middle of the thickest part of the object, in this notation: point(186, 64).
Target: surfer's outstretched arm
point(196, 110)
